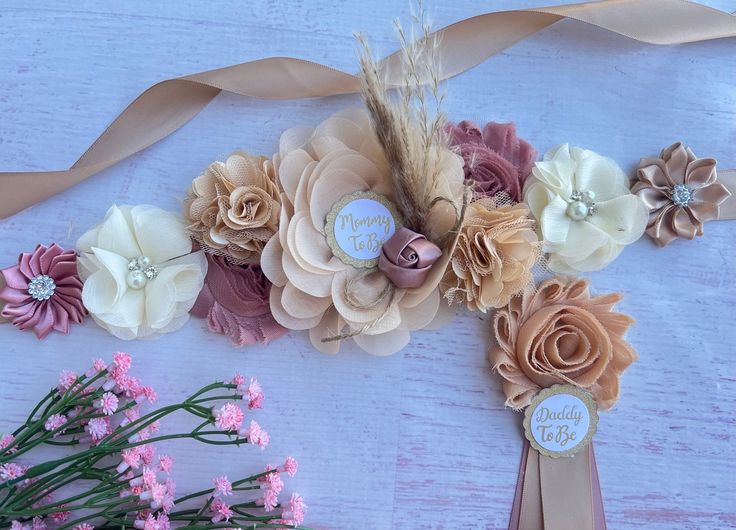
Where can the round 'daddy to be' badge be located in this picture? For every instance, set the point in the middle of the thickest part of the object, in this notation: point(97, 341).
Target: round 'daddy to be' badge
point(561, 420)
point(358, 225)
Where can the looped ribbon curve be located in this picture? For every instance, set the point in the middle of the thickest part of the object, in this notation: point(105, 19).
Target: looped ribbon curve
point(169, 104)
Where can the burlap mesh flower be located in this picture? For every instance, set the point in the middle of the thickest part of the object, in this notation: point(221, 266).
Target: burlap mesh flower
point(561, 334)
point(681, 192)
point(233, 207)
point(494, 256)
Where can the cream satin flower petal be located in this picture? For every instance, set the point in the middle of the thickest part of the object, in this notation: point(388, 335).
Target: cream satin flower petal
point(583, 238)
point(284, 318)
point(600, 175)
point(319, 285)
point(422, 314)
point(293, 139)
point(310, 246)
point(116, 234)
point(291, 169)
point(106, 286)
point(623, 218)
point(161, 298)
point(537, 196)
point(271, 262)
point(384, 344)
point(161, 235)
point(331, 325)
point(555, 223)
point(331, 188)
point(302, 306)
point(127, 312)
point(349, 133)
point(445, 314)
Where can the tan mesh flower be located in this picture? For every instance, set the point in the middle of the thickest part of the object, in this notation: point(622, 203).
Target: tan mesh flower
point(233, 207)
point(494, 256)
point(561, 334)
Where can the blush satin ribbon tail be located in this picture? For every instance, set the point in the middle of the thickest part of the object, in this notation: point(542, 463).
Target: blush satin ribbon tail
point(169, 104)
point(557, 493)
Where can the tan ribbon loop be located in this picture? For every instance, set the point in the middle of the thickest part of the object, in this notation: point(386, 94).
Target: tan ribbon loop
point(727, 210)
point(166, 106)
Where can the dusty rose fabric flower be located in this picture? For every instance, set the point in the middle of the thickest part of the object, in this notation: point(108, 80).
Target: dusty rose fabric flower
point(43, 291)
point(561, 334)
point(494, 256)
point(681, 192)
point(407, 257)
point(235, 302)
point(495, 159)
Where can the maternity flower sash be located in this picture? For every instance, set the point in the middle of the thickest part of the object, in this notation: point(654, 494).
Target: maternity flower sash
point(169, 104)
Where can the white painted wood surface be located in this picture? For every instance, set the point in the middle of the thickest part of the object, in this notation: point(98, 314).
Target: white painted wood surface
point(420, 439)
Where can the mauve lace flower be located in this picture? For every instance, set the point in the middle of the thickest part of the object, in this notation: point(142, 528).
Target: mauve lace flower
point(235, 302)
point(43, 291)
point(495, 159)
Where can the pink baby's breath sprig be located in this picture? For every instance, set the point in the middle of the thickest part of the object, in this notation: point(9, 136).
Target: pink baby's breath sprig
point(101, 413)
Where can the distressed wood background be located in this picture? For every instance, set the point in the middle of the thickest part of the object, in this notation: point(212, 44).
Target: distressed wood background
point(420, 439)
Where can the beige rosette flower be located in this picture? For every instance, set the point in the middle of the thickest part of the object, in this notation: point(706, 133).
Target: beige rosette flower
point(233, 207)
point(494, 256)
point(313, 289)
point(561, 334)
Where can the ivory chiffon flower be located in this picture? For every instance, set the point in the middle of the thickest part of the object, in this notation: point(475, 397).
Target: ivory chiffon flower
point(585, 211)
point(43, 291)
point(312, 288)
point(561, 334)
point(681, 191)
point(140, 275)
point(495, 159)
point(233, 207)
point(494, 256)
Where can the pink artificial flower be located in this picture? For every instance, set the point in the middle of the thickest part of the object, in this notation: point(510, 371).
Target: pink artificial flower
point(269, 500)
point(223, 487)
point(84, 526)
point(272, 480)
point(166, 463)
point(255, 435)
point(146, 393)
point(235, 302)
point(98, 365)
point(10, 471)
point(43, 291)
point(162, 522)
point(296, 509)
point(496, 160)
point(108, 403)
point(228, 417)
point(98, 428)
point(148, 452)
point(238, 379)
point(122, 361)
point(255, 395)
point(5, 441)
point(290, 466)
point(17, 525)
point(168, 501)
point(67, 378)
point(38, 523)
point(54, 422)
point(221, 511)
point(131, 459)
point(60, 516)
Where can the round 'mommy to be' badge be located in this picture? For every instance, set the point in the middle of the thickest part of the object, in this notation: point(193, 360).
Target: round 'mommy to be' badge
point(358, 225)
point(561, 420)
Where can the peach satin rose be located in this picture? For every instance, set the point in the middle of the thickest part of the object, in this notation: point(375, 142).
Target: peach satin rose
point(561, 334)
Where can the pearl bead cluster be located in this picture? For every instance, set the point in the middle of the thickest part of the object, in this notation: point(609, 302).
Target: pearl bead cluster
point(581, 205)
point(140, 270)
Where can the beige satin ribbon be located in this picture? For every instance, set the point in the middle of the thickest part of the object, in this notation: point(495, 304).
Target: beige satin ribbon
point(727, 210)
point(558, 493)
point(166, 106)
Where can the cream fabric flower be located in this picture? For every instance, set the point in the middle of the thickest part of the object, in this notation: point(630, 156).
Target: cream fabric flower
point(317, 167)
point(584, 208)
point(140, 275)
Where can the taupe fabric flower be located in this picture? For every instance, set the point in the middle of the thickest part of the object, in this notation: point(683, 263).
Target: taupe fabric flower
point(561, 334)
point(233, 207)
point(681, 192)
point(494, 256)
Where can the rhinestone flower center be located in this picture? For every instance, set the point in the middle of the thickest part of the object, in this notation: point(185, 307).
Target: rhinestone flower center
point(581, 205)
point(140, 271)
point(41, 287)
point(681, 195)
